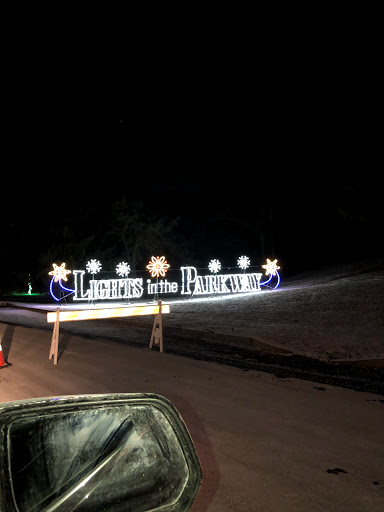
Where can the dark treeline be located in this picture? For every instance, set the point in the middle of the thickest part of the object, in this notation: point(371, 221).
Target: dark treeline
point(303, 226)
point(121, 231)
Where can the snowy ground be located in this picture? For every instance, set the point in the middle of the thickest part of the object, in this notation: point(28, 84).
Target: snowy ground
point(334, 314)
point(340, 318)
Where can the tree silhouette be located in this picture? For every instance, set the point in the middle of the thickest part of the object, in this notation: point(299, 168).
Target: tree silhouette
point(139, 232)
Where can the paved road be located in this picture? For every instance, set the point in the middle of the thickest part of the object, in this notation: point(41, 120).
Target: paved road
point(265, 443)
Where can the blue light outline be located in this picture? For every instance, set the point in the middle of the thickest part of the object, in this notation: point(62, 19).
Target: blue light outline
point(66, 289)
point(270, 279)
point(51, 290)
point(61, 286)
point(266, 282)
point(278, 280)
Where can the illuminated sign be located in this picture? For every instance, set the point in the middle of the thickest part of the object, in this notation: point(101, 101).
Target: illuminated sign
point(104, 289)
point(191, 282)
point(194, 284)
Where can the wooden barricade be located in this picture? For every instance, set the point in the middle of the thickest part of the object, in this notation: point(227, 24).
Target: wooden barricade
point(94, 314)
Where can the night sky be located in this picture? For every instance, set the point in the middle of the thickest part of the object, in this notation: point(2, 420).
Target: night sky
point(269, 171)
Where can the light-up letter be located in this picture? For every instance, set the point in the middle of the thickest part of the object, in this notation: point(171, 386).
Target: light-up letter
point(189, 275)
point(137, 287)
point(79, 286)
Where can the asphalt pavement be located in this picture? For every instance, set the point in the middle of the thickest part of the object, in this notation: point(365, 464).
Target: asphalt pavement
point(266, 441)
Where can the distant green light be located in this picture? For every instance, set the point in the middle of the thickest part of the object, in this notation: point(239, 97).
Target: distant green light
point(16, 294)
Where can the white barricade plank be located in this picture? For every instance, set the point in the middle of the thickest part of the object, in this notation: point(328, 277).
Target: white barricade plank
point(94, 314)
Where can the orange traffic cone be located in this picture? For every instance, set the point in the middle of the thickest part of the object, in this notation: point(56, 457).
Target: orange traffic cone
point(3, 364)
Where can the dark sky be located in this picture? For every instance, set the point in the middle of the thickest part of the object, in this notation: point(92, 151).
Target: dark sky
point(286, 134)
point(312, 172)
point(91, 158)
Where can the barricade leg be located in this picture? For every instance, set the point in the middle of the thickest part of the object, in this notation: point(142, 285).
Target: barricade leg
point(55, 338)
point(157, 330)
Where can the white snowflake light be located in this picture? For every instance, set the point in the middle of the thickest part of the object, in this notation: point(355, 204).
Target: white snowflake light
point(243, 262)
point(93, 266)
point(123, 269)
point(214, 266)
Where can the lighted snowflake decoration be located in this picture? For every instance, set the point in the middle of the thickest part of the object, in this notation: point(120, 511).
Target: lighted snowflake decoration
point(123, 269)
point(93, 266)
point(214, 266)
point(59, 273)
point(158, 266)
point(243, 262)
point(271, 267)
